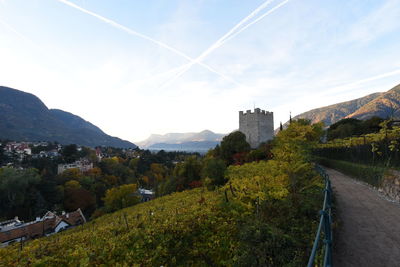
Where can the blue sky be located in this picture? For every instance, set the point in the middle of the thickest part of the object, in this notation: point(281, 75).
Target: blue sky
point(303, 55)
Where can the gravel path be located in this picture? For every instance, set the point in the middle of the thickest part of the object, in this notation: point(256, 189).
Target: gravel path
point(369, 225)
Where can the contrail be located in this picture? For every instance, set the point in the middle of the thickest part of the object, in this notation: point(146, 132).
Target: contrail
point(11, 28)
point(258, 19)
point(138, 34)
point(237, 26)
point(370, 79)
point(230, 34)
point(373, 78)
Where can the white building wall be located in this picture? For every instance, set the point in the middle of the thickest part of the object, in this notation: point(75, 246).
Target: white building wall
point(61, 226)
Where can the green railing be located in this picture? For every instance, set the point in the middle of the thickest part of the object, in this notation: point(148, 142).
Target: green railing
point(323, 253)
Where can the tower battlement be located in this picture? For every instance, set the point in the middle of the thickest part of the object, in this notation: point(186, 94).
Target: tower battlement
point(258, 126)
point(256, 111)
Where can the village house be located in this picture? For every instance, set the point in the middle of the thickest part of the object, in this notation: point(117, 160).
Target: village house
point(19, 148)
point(99, 154)
point(82, 165)
point(47, 154)
point(146, 195)
point(36, 144)
point(17, 231)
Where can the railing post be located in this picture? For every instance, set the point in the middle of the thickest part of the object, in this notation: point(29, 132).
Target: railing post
point(328, 239)
point(325, 224)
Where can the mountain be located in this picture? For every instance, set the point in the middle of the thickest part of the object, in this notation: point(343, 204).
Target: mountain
point(24, 117)
point(384, 105)
point(194, 146)
point(201, 141)
point(333, 113)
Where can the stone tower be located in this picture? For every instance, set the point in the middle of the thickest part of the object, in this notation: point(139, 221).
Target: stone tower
point(258, 126)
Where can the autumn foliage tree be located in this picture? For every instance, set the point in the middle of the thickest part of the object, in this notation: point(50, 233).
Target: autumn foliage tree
point(187, 172)
point(75, 196)
point(121, 197)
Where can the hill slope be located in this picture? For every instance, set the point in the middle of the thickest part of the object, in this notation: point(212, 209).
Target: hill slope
point(384, 105)
point(333, 113)
point(24, 116)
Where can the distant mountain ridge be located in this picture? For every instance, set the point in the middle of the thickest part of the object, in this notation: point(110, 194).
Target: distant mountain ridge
point(24, 117)
point(193, 146)
point(382, 104)
point(201, 141)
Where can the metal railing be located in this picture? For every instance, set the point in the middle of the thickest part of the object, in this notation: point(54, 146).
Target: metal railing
point(324, 231)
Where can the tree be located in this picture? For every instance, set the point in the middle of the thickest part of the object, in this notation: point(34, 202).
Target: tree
point(292, 151)
point(121, 197)
point(214, 170)
point(155, 175)
point(115, 166)
point(77, 197)
point(261, 153)
point(69, 174)
point(350, 127)
point(2, 156)
point(90, 154)
point(70, 153)
point(188, 171)
point(18, 191)
point(345, 128)
point(133, 164)
point(372, 125)
point(232, 144)
point(72, 184)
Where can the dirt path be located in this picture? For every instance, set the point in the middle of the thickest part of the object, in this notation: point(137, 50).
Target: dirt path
point(369, 231)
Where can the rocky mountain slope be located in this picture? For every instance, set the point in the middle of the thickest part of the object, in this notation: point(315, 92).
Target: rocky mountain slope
point(384, 105)
point(24, 117)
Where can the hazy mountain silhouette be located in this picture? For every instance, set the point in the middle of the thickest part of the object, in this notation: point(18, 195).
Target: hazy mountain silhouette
point(201, 141)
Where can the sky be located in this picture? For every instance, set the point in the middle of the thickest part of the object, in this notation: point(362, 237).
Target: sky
point(136, 68)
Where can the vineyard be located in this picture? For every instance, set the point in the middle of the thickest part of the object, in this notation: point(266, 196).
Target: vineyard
point(183, 227)
point(265, 215)
point(378, 149)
